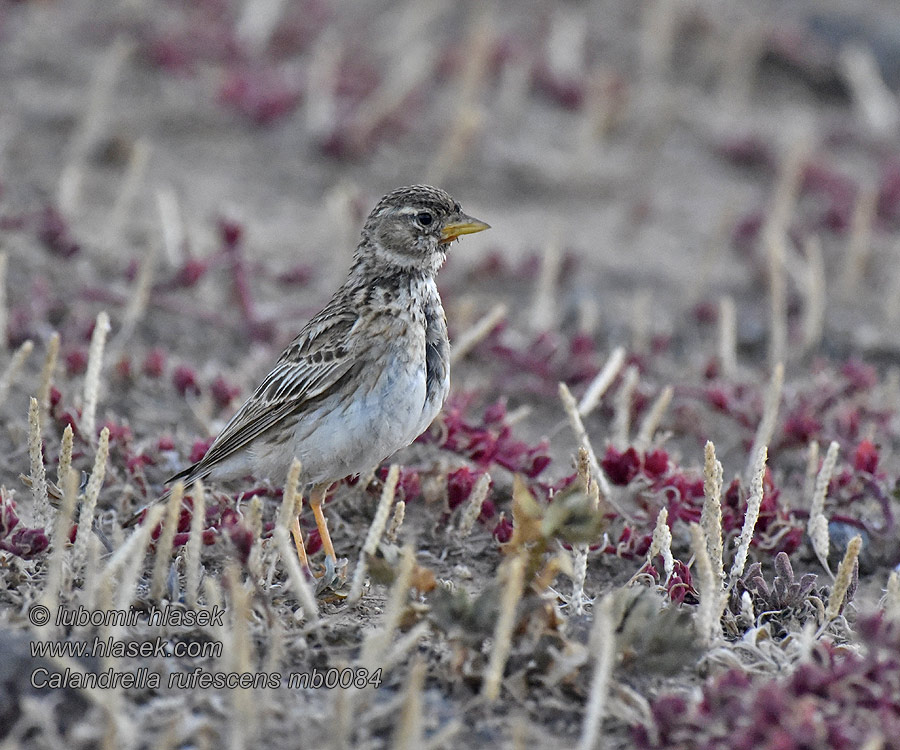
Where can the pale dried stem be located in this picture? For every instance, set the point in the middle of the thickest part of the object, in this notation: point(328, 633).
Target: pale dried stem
point(16, 363)
point(243, 715)
point(661, 543)
point(61, 526)
point(469, 116)
point(843, 578)
point(545, 303)
point(892, 597)
point(813, 323)
point(129, 558)
point(653, 417)
point(511, 574)
point(408, 735)
point(812, 469)
point(291, 500)
point(46, 382)
point(603, 647)
point(579, 576)
point(255, 524)
point(876, 103)
point(92, 123)
point(601, 383)
point(711, 515)
point(257, 22)
point(727, 337)
point(766, 428)
point(192, 550)
point(377, 643)
point(299, 584)
point(41, 511)
point(817, 526)
point(624, 401)
point(137, 300)
point(469, 339)
point(891, 295)
point(639, 320)
point(89, 503)
point(376, 529)
point(171, 224)
point(473, 505)
point(4, 309)
point(396, 522)
point(750, 517)
point(584, 441)
point(778, 324)
point(859, 245)
point(165, 541)
point(710, 589)
point(92, 375)
point(125, 197)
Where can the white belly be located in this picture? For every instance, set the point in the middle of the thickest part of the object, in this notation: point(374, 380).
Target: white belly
point(339, 439)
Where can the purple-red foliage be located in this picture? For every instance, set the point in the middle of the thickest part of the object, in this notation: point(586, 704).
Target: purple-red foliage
point(490, 442)
point(223, 392)
point(503, 531)
point(54, 232)
point(154, 363)
point(409, 485)
point(22, 542)
point(262, 94)
point(185, 380)
point(199, 448)
point(838, 700)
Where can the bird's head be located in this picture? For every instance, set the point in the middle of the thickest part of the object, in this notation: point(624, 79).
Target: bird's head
point(412, 227)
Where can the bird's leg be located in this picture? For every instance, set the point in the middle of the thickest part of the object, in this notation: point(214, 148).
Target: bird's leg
point(298, 543)
point(316, 497)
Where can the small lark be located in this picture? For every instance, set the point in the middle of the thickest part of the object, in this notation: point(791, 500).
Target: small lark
point(367, 375)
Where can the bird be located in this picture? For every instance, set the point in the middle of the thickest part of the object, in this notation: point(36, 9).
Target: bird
point(366, 375)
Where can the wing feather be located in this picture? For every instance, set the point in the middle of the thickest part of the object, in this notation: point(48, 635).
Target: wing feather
point(316, 360)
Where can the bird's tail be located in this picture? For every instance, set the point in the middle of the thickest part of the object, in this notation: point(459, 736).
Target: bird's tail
point(188, 476)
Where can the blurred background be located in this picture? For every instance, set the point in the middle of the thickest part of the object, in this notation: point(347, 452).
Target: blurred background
point(632, 157)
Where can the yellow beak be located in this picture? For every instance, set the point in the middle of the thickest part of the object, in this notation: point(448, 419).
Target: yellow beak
point(464, 225)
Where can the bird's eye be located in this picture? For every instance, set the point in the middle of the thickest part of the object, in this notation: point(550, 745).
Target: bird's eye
point(424, 218)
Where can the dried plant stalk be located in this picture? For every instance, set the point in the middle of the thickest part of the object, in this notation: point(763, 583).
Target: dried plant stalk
point(778, 326)
point(43, 395)
point(41, 512)
point(376, 529)
point(130, 559)
point(544, 305)
point(396, 521)
point(581, 435)
point(61, 526)
point(843, 578)
point(512, 574)
point(408, 735)
point(12, 369)
point(194, 545)
point(579, 576)
point(874, 100)
point(603, 647)
point(4, 310)
point(601, 383)
point(751, 516)
point(469, 339)
point(661, 543)
point(727, 337)
point(137, 300)
point(711, 515)
point(243, 715)
point(131, 183)
point(375, 647)
point(89, 504)
point(291, 498)
point(892, 597)
point(817, 527)
point(473, 505)
point(812, 468)
point(103, 81)
point(92, 375)
point(165, 541)
point(813, 323)
point(301, 587)
point(624, 401)
point(766, 427)
point(711, 599)
point(653, 418)
point(860, 241)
